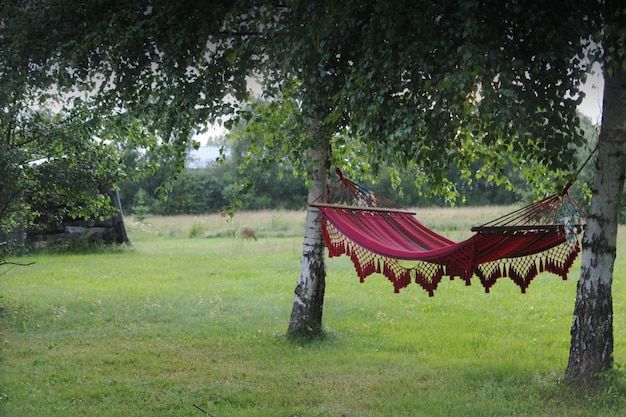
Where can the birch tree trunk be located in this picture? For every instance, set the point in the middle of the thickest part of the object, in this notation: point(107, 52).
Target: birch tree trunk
point(306, 315)
point(591, 349)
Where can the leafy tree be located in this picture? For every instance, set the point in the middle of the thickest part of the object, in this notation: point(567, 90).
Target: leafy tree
point(474, 193)
point(78, 77)
point(424, 87)
point(45, 164)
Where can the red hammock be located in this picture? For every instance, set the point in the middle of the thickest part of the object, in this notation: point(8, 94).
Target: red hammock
point(377, 234)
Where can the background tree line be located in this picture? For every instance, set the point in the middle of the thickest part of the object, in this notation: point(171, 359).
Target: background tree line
point(215, 186)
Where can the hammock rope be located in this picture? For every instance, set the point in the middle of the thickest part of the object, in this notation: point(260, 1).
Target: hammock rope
point(381, 236)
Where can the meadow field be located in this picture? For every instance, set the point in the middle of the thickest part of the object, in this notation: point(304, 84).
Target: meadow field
point(191, 319)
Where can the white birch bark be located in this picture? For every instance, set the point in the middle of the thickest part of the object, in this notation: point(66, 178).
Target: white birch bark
point(591, 349)
point(306, 315)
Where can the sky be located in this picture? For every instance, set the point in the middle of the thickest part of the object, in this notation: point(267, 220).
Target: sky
point(594, 91)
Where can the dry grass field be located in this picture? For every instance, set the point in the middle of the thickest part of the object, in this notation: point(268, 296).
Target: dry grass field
point(454, 223)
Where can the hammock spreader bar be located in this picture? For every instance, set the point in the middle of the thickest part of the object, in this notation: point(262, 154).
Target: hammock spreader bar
point(381, 236)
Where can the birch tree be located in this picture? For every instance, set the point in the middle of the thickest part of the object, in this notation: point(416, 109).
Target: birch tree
point(418, 87)
point(470, 81)
point(591, 349)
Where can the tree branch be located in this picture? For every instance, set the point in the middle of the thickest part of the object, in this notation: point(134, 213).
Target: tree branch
point(13, 265)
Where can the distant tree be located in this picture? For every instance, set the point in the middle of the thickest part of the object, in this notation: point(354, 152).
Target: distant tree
point(209, 189)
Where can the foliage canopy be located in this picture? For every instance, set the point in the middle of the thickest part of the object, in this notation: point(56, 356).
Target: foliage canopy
point(390, 84)
point(426, 86)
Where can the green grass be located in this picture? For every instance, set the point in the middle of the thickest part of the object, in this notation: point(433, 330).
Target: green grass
point(176, 321)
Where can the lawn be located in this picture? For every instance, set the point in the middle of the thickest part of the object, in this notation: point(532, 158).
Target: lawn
point(190, 321)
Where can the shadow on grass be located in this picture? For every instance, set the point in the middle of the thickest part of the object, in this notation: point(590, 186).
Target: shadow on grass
point(310, 337)
point(518, 386)
point(607, 391)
